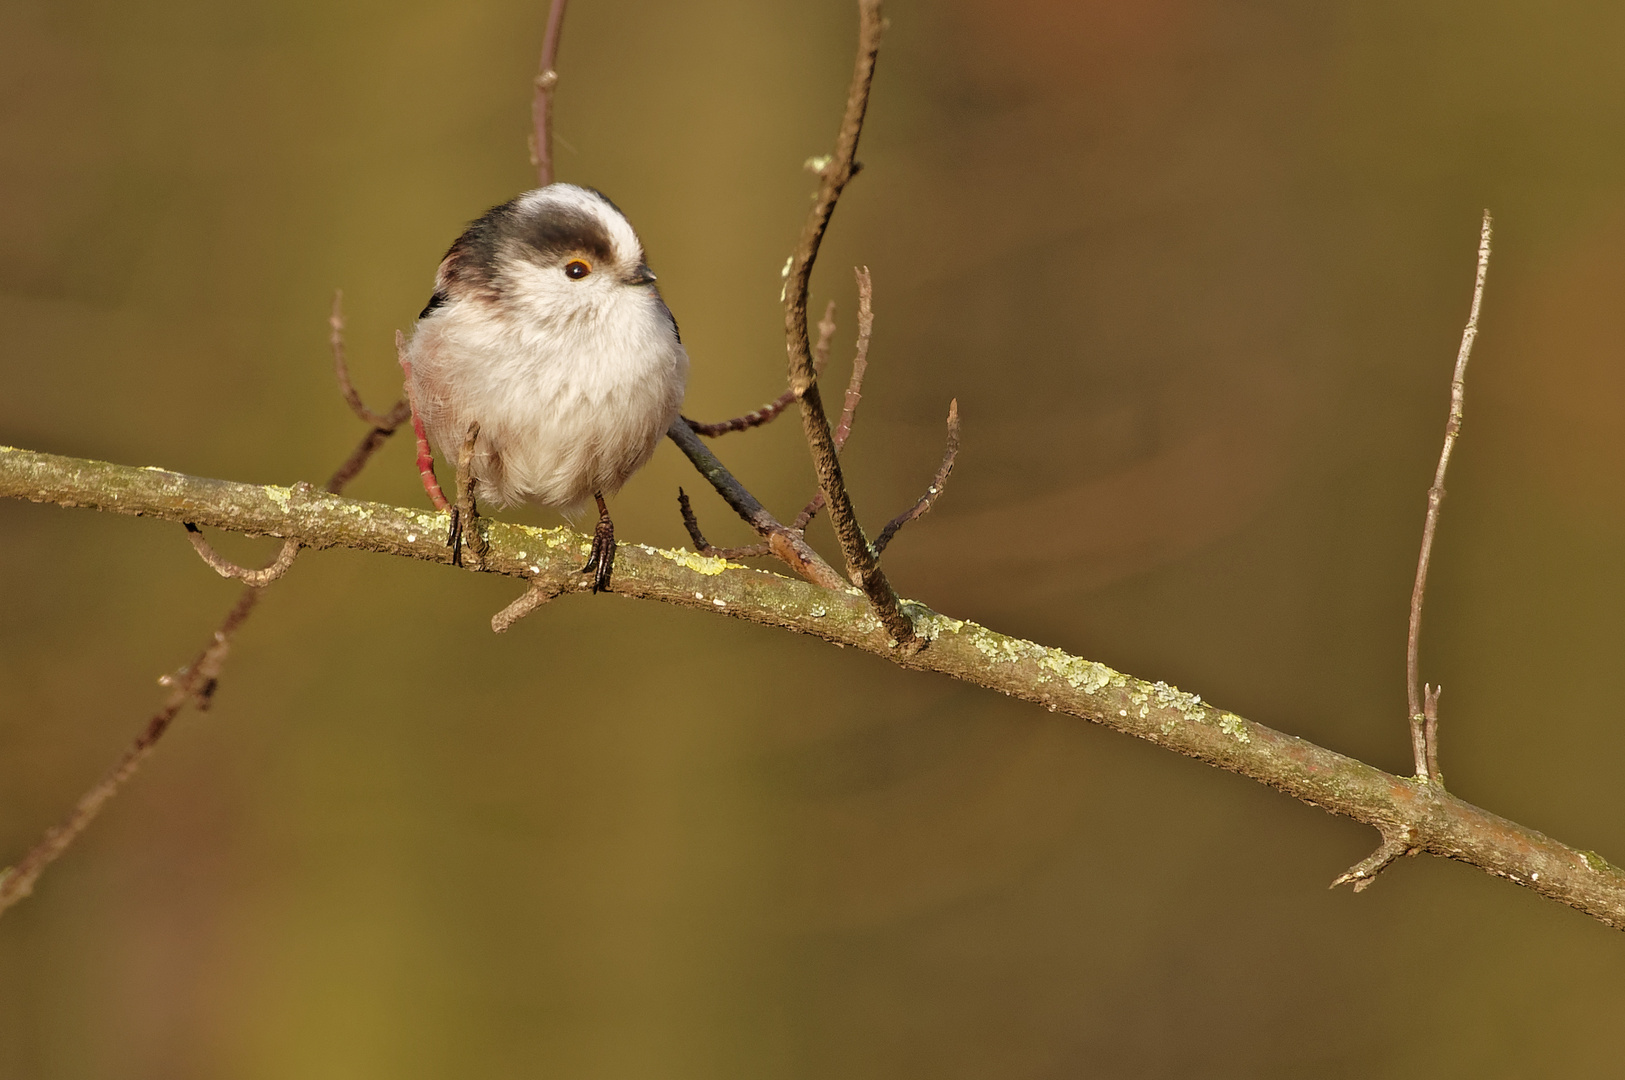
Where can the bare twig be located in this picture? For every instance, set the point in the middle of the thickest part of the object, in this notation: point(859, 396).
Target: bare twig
point(769, 412)
point(860, 355)
point(782, 542)
point(854, 385)
point(862, 565)
point(1430, 730)
point(228, 569)
point(541, 104)
point(341, 368)
point(1395, 843)
point(1420, 725)
point(195, 683)
point(464, 530)
point(539, 593)
point(703, 546)
point(926, 501)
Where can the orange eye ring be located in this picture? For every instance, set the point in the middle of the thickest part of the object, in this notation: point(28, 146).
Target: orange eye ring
point(576, 269)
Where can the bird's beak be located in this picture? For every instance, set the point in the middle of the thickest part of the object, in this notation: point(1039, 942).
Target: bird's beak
point(641, 276)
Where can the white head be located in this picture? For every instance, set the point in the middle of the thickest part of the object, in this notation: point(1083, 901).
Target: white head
point(560, 254)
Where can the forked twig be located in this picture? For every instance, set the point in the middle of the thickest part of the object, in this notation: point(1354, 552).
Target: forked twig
point(1424, 699)
point(770, 412)
point(1424, 728)
point(541, 103)
point(862, 565)
point(926, 501)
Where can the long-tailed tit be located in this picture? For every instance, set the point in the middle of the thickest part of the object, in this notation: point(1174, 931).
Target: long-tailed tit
point(546, 329)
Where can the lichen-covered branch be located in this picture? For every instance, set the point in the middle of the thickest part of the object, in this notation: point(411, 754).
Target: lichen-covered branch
point(1430, 819)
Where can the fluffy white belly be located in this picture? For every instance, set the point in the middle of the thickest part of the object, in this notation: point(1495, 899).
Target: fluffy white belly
point(566, 411)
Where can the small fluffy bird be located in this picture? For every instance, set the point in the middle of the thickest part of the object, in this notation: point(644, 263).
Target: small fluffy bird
point(546, 329)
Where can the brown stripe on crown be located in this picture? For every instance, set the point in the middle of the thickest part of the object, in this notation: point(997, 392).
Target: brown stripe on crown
point(548, 234)
point(553, 233)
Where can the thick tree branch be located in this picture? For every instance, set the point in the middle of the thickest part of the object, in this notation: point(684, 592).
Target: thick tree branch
point(1428, 818)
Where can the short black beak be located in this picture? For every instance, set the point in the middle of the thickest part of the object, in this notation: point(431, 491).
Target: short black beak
point(641, 276)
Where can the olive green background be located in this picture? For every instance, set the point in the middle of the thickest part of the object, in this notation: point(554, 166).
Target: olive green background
point(1196, 271)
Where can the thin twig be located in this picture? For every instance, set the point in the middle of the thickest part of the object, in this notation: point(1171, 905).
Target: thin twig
point(341, 367)
point(195, 683)
point(862, 565)
point(539, 593)
point(926, 501)
point(1395, 843)
point(769, 412)
point(465, 517)
point(1430, 730)
point(1420, 748)
point(854, 386)
point(782, 542)
point(230, 570)
point(860, 355)
point(541, 104)
point(704, 546)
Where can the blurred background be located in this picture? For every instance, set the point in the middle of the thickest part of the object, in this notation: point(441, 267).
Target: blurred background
point(1196, 271)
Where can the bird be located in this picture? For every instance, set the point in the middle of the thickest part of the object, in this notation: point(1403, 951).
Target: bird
point(546, 329)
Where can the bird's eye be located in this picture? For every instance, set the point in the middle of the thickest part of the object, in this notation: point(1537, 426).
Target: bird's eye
point(576, 269)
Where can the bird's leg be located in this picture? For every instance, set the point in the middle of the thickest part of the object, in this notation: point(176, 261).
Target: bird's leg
point(465, 514)
point(431, 486)
point(602, 560)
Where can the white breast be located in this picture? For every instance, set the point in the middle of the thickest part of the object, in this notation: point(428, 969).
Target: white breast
point(568, 406)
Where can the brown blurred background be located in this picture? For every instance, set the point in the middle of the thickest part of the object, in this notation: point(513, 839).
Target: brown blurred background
point(1196, 271)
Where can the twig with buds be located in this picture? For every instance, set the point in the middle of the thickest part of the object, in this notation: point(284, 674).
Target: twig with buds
point(1424, 699)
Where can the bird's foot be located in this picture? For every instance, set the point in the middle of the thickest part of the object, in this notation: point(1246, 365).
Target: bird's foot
point(601, 563)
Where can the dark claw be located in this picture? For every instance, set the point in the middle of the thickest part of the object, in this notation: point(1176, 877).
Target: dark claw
point(601, 563)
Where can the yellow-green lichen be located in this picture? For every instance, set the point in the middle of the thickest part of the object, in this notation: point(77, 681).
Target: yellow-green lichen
point(1080, 674)
point(1596, 863)
point(700, 564)
point(1233, 726)
point(932, 626)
